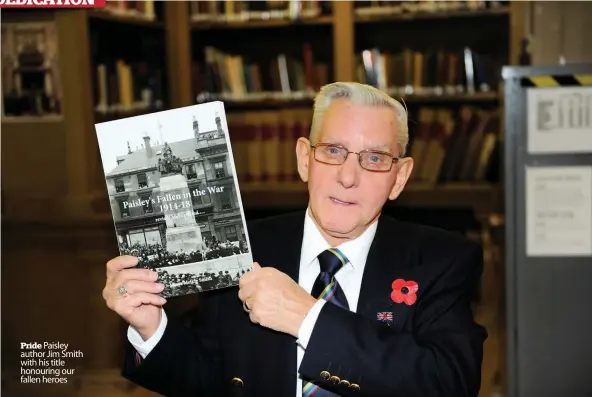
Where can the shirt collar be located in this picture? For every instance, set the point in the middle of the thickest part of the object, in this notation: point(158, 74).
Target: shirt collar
point(313, 243)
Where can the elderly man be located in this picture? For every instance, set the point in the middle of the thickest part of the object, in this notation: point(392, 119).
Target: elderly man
point(342, 300)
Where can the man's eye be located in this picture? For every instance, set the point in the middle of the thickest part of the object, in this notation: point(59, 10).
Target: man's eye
point(375, 159)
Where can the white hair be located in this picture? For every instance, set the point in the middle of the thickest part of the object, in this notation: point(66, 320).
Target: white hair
point(360, 94)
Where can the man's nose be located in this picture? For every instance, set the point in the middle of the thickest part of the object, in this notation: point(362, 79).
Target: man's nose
point(349, 171)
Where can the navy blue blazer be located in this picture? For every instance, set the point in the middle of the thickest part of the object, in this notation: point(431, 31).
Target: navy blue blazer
point(431, 348)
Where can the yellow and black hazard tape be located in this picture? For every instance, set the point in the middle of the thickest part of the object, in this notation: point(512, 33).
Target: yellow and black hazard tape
point(556, 80)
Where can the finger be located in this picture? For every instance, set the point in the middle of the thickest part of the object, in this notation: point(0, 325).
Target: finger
point(248, 285)
point(244, 294)
point(246, 279)
point(256, 266)
point(124, 276)
point(144, 298)
point(135, 286)
point(247, 291)
point(254, 319)
point(121, 262)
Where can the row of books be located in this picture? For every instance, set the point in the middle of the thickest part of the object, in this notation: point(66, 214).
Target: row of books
point(451, 147)
point(446, 146)
point(233, 10)
point(432, 72)
point(264, 144)
point(238, 77)
point(385, 7)
point(122, 86)
point(131, 9)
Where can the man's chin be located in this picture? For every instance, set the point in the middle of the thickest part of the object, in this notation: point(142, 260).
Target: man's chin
point(338, 228)
point(338, 222)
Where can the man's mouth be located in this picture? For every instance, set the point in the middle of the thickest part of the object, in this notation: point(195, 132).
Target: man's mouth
point(335, 200)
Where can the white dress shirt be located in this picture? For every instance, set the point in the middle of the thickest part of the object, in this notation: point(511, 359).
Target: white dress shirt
point(313, 243)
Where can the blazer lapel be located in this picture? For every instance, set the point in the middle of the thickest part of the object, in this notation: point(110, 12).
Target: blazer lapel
point(389, 259)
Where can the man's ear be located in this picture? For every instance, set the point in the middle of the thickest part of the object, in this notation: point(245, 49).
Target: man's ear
point(404, 168)
point(302, 157)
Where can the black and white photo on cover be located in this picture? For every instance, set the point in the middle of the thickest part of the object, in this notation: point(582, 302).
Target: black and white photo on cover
point(174, 196)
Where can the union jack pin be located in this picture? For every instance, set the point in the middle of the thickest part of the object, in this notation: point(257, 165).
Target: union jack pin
point(385, 317)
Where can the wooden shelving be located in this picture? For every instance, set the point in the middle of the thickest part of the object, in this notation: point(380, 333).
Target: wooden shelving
point(109, 116)
point(467, 98)
point(179, 30)
point(48, 118)
point(429, 15)
point(256, 102)
point(266, 23)
point(482, 198)
point(130, 19)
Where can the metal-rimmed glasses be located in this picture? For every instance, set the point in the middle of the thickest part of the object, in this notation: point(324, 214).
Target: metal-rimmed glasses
point(371, 160)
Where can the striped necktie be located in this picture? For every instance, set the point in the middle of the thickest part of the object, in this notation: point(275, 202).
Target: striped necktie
point(327, 288)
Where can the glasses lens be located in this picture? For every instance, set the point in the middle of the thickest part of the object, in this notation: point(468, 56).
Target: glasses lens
point(375, 161)
point(330, 154)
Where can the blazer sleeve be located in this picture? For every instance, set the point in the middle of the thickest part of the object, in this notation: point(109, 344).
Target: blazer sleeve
point(186, 360)
point(440, 357)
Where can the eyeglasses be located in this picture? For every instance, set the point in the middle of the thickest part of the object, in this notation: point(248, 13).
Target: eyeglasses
point(371, 160)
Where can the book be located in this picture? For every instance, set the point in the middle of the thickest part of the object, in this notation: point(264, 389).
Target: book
point(175, 197)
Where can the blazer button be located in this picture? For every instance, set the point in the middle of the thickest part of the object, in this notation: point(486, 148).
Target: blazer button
point(354, 387)
point(325, 375)
point(344, 383)
point(334, 379)
point(238, 382)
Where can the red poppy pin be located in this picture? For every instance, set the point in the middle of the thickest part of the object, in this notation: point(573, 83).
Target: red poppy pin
point(404, 291)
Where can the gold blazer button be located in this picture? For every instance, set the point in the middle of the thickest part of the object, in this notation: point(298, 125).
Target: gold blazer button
point(325, 375)
point(238, 382)
point(354, 387)
point(345, 383)
point(335, 379)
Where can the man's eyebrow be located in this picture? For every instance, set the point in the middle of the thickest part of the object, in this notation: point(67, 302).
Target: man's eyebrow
point(379, 147)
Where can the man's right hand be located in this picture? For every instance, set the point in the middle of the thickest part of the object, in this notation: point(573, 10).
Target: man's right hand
point(141, 305)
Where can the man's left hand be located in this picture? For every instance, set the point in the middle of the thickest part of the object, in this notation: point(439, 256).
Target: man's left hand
point(274, 300)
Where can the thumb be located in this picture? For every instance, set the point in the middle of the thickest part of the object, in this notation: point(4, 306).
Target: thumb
point(256, 266)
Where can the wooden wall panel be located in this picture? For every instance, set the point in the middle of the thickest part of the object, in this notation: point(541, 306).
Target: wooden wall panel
point(578, 31)
point(33, 158)
point(343, 41)
point(178, 53)
point(34, 170)
point(75, 76)
point(561, 29)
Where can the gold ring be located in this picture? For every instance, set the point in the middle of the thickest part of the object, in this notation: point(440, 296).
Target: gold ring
point(246, 307)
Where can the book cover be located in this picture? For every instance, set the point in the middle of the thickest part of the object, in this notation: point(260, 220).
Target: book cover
point(175, 198)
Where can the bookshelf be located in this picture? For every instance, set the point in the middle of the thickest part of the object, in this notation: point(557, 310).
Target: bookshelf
point(134, 19)
point(194, 54)
point(250, 24)
point(454, 12)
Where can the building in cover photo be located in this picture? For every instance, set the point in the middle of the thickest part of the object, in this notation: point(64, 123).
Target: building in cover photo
point(204, 162)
